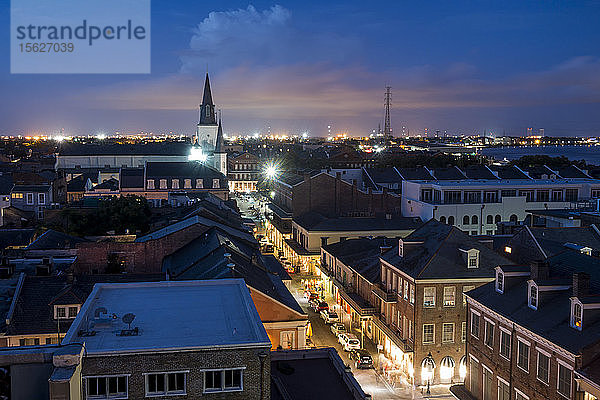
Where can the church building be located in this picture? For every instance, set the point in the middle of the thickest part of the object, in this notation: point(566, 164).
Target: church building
point(208, 142)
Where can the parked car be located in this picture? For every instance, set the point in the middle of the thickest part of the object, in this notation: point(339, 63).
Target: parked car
point(329, 316)
point(338, 328)
point(342, 337)
point(320, 306)
point(350, 342)
point(361, 358)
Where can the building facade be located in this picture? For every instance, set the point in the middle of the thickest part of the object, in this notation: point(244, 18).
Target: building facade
point(243, 172)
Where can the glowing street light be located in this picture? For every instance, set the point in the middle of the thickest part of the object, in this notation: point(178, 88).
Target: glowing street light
point(427, 367)
point(196, 154)
point(272, 171)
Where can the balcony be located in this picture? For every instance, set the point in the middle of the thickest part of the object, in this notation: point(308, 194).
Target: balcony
point(393, 333)
point(387, 296)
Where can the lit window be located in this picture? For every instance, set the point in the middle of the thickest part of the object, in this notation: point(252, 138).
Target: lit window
point(106, 387)
point(449, 296)
point(508, 249)
point(150, 184)
point(163, 183)
point(61, 312)
point(429, 297)
point(187, 184)
point(199, 183)
point(577, 316)
point(72, 312)
point(216, 183)
point(175, 184)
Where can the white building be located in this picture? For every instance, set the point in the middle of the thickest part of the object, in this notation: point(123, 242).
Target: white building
point(477, 198)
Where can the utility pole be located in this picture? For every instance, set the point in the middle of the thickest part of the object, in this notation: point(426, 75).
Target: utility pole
point(387, 125)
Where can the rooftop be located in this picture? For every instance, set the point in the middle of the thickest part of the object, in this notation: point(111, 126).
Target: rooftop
point(315, 222)
point(170, 316)
point(162, 149)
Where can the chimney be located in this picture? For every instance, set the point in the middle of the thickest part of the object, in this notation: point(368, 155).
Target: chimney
point(539, 270)
point(581, 284)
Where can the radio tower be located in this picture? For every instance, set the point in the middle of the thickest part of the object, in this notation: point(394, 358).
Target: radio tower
point(387, 125)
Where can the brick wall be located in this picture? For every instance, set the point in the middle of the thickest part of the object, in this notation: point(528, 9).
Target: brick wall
point(145, 257)
point(192, 361)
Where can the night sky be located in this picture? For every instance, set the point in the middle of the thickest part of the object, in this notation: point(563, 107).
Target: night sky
point(460, 66)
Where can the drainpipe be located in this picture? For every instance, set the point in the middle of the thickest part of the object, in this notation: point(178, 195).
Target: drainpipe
point(262, 357)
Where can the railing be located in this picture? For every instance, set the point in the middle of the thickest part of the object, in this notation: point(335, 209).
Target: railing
point(388, 296)
point(393, 332)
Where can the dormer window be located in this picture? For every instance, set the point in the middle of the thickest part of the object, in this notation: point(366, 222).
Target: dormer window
point(576, 314)
point(473, 258)
point(499, 282)
point(533, 296)
point(66, 311)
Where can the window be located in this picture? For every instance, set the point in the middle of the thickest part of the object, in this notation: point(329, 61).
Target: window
point(29, 198)
point(405, 290)
point(543, 367)
point(466, 220)
point(426, 195)
point(61, 312)
point(449, 296)
point(451, 220)
point(564, 380)
point(475, 324)
point(175, 184)
point(557, 195)
point(533, 296)
point(520, 396)
point(595, 193)
point(216, 183)
point(448, 332)
point(41, 198)
point(165, 383)
point(505, 338)
point(499, 282)
point(487, 384)
point(429, 297)
point(443, 219)
point(466, 288)
point(528, 195)
point(16, 195)
point(490, 197)
point(150, 184)
point(472, 197)
point(513, 219)
point(64, 312)
point(72, 312)
point(199, 183)
point(489, 219)
point(508, 193)
point(497, 219)
point(163, 183)
point(543, 195)
point(106, 387)
point(523, 356)
point(489, 334)
point(503, 390)
point(412, 294)
point(473, 260)
point(187, 184)
point(576, 315)
point(474, 377)
point(428, 333)
point(286, 339)
point(452, 197)
point(225, 380)
point(474, 220)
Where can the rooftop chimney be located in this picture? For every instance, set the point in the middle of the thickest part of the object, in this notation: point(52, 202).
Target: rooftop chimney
point(539, 270)
point(581, 284)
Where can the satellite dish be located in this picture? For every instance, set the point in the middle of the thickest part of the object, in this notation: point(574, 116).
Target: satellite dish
point(100, 310)
point(128, 319)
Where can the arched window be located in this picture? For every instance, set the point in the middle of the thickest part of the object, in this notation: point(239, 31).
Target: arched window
point(451, 220)
point(443, 219)
point(533, 296)
point(490, 219)
point(577, 315)
point(466, 220)
point(513, 219)
point(474, 220)
point(497, 219)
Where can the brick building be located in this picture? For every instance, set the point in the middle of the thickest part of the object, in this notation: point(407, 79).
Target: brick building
point(419, 302)
point(191, 339)
point(243, 172)
point(534, 332)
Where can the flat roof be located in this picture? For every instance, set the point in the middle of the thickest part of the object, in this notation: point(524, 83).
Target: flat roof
point(170, 316)
point(506, 182)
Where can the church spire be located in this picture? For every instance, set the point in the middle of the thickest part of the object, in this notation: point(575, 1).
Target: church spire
point(220, 141)
point(207, 108)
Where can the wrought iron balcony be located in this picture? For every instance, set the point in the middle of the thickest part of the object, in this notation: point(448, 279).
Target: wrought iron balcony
point(388, 296)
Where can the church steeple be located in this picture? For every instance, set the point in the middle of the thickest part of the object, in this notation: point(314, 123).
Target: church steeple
point(207, 108)
point(219, 146)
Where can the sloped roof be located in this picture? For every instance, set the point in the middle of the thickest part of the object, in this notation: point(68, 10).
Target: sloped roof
point(34, 312)
point(551, 319)
point(110, 184)
point(384, 175)
point(508, 172)
point(415, 174)
point(16, 237)
point(77, 184)
point(362, 255)
point(478, 172)
point(54, 240)
point(448, 174)
point(6, 184)
point(205, 258)
point(183, 169)
point(552, 240)
point(439, 256)
point(154, 148)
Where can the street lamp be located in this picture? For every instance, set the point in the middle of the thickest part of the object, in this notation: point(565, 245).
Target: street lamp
point(271, 171)
point(427, 367)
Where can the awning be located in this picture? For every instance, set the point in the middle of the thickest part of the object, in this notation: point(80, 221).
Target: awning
point(448, 362)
